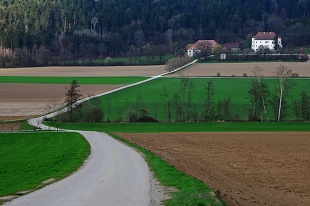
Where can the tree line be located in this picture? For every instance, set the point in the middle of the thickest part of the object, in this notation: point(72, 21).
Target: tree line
point(96, 28)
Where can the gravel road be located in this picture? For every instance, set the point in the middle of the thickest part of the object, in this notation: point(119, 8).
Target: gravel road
point(114, 174)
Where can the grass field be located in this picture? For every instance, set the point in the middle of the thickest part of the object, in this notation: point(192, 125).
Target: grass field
point(188, 190)
point(186, 126)
point(148, 96)
point(27, 159)
point(68, 80)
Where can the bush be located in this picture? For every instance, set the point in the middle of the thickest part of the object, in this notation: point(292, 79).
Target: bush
point(92, 114)
point(146, 119)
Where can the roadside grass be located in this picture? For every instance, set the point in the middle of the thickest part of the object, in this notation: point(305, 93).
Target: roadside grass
point(25, 126)
point(28, 159)
point(119, 105)
point(186, 127)
point(188, 190)
point(68, 80)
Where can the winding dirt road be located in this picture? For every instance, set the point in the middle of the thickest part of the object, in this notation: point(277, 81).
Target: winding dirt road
point(114, 174)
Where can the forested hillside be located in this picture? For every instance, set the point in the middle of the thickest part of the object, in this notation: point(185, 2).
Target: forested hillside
point(91, 28)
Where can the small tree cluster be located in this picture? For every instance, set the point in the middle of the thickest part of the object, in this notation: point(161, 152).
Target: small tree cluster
point(177, 62)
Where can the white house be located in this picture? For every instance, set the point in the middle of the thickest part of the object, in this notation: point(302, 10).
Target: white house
point(200, 45)
point(265, 40)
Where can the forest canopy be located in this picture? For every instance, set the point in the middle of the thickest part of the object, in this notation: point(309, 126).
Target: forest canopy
point(115, 27)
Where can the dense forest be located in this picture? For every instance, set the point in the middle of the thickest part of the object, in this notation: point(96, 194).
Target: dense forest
point(93, 28)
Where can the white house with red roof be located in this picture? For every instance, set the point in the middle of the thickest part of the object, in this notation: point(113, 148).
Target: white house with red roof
point(201, 45)
point(265, 40)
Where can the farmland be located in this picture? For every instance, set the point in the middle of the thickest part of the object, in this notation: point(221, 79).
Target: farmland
point(27, 92)
point(45, 156)
point(188, 150)
point(68, 80)
point(119, 105)
point(244, 168)
point(239, 69)
point(82, 71)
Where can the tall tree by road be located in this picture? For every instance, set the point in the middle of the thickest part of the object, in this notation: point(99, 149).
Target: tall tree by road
point(72, 95)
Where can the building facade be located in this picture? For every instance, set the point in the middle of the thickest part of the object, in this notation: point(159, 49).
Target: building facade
point(264, 40)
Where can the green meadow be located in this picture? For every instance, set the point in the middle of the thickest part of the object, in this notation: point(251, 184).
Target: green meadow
point(68, 80)
point(154, 127)
point(119, 105)
point(27, 159)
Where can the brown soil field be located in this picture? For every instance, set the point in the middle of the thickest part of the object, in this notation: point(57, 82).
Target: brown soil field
point(9, 127)
point(238, 69)
point(19, 101)
point(244, 168)
point(85, 71)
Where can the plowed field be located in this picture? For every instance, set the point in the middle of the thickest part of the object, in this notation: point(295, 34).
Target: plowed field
point(244, 168)
point(239, 69)
point(84, 71)
point(19, 101)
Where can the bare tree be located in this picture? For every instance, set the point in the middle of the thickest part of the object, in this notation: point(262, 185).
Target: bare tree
point(282, 73)
point(72, 95)
point(210, 93)
point(262, 89)
point(168, 102)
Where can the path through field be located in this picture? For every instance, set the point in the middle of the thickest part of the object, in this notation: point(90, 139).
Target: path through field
point(113, 175)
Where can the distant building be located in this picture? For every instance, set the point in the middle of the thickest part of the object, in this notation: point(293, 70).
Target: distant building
point(201, 45)
point(265, 40)
point(231, 47)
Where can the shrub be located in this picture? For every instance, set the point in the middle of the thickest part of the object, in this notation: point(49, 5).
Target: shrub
point(146, 119)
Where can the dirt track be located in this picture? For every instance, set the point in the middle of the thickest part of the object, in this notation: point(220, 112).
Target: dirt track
point(238, 69)
point(84, 71)
point(246, 168)
point(20, 101)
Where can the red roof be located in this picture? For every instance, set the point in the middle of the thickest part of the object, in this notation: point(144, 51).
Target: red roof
point(203, 44)
point(265, 36)
point(206, 43)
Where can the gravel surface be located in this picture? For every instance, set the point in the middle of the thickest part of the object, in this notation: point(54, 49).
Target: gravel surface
point(114, 174)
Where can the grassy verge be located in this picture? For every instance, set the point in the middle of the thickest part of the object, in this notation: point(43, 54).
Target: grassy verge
point(25, 126)
point(68, 80)
point(28, 159)
point(186, 126)
point(190, 191)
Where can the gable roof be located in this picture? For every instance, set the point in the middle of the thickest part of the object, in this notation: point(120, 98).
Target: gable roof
point(265, 36)
point(206, 43)
point(203, 44)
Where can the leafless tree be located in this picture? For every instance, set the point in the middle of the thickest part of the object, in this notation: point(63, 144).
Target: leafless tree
point(263, 91)
point(282, 73)
point(72, 95)
point(210, 93)
point(168, 102)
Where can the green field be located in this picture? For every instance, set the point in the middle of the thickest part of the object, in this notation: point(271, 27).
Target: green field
point(186, 126)
point(119, 105)
point(68, 80)
point(27, 159)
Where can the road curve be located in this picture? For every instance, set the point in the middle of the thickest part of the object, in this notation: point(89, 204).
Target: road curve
point(114, 174)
